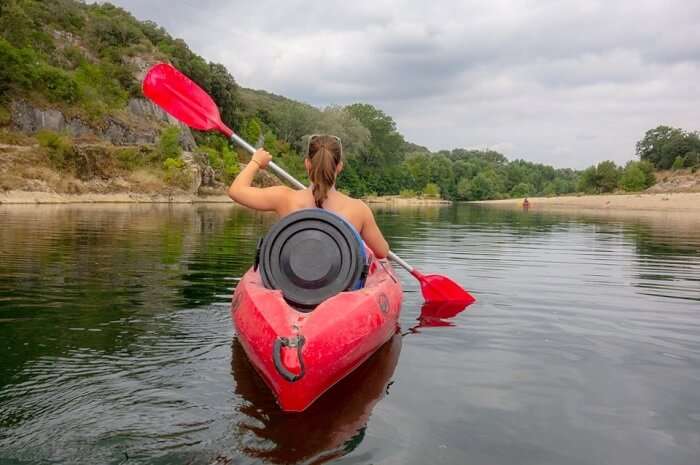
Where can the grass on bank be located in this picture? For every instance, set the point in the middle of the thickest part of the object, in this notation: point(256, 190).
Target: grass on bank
point(56, 162)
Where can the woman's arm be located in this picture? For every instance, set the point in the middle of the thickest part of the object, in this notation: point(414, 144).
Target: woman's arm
point(371, 234)
point(264, 199)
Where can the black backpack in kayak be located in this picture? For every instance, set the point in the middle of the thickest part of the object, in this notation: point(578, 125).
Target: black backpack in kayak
point(311, 255)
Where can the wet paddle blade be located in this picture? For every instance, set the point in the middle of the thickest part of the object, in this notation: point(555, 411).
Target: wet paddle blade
point(442, 310)
point(183, 99)
point(440, 313)
point(438, 288)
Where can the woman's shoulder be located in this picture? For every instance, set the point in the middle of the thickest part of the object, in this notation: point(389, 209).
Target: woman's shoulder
point(355, 204)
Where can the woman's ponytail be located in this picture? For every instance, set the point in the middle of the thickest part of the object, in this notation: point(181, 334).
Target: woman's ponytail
point(325, 153)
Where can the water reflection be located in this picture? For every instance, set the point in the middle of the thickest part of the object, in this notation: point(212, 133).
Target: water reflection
point(332, 427)
point(116, 342)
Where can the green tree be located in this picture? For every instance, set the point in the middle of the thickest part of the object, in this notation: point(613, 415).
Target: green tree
point(550, 189)
point(608, 175)
point(633, 177)
point(293, 120)
point(252, 131)
point(649, 173)
point(662, 145)
point(386, 143)
point(464, 189)
point(340, 122)
point(589, 181)
point(481, 188)
point(441, 174)
point(417, 165)
point(431, 190)
point(522, 189)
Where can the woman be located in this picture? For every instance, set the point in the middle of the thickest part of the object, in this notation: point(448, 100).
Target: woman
point(323, 163)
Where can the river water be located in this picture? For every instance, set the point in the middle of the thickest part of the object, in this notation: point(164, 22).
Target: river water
point(116, 343)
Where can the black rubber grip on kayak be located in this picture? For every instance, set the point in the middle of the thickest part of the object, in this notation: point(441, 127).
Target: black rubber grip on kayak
point(296, 342)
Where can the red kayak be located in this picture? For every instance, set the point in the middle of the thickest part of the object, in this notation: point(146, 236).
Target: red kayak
point(300, 353)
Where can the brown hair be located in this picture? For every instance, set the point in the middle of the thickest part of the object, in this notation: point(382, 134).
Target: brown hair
point(325, 153)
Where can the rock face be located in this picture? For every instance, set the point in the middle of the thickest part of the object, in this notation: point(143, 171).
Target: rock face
point(141, 125)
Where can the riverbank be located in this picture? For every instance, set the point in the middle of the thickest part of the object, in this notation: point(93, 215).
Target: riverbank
point(19, 197)
point(398, 201)
point(665, 202)
point(28, 197)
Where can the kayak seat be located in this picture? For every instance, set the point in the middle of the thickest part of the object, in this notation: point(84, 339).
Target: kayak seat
point(311, 255)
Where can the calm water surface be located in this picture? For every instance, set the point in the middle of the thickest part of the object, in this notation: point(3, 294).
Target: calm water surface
point(116, 344)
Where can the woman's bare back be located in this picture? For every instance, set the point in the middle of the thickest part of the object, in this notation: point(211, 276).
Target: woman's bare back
point(355, 211)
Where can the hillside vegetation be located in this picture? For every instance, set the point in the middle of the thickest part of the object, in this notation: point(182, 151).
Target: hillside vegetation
point(84, 62)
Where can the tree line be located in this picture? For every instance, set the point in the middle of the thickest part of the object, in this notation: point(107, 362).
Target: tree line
point(661, 148)
point(83, 59)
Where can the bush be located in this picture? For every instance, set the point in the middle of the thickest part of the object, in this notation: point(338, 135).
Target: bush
point(252, 131)
point(5, 115)
point(407, 194)
point(173, 164)
point(224, 162)
point(637, 176)
point(231, 167)
point(59, 148)
point(129, 158)
point(57, 84)
point(214, 158)
point(431, 190)
point(15, 66)
point(633, 179)
point(678, 163)
point(175, 173)
point(169, 143)
point(97, 82)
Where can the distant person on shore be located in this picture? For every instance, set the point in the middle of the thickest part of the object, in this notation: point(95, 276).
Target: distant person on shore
point(526, 204)
point(323, 162)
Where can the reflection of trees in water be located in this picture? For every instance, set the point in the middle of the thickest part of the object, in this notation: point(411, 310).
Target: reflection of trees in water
point(85, 276)
point(663, 240)
point(406, 222)
point(226, 249)
point(666, 259)
point(330, 428)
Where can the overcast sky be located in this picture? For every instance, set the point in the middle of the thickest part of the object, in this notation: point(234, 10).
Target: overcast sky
point(567, 83)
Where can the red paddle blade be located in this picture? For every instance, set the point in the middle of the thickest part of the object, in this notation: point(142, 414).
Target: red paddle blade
point(181, 97)
point(437, 288)
point(436, 313)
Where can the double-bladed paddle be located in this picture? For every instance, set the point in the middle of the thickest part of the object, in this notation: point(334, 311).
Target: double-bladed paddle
point(187, 102)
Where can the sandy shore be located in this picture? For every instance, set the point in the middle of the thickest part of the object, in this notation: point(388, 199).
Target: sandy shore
point(28, 197)
point(397, 201)
point(669, 202)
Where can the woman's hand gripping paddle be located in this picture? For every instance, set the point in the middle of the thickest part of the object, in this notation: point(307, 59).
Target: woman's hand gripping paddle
point(187, 102)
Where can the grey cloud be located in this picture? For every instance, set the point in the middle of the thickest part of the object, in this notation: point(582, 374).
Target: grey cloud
point(562, 82)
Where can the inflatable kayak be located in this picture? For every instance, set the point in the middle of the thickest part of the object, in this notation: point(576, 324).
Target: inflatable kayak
point(301, 346)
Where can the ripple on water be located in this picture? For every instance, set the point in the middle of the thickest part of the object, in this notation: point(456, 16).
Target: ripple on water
point(583, 347)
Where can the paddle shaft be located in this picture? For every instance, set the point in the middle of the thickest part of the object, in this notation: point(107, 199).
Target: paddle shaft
point(293, 181)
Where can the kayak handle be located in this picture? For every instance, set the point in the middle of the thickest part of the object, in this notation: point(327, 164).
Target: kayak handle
point(297, 342)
